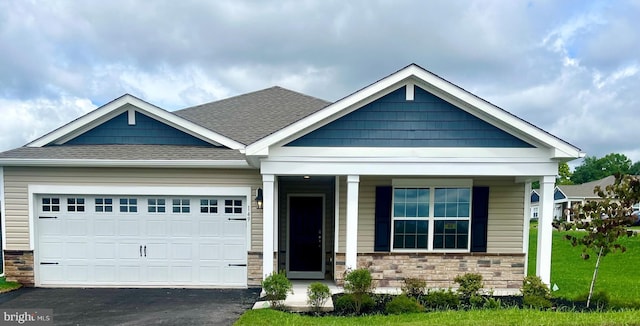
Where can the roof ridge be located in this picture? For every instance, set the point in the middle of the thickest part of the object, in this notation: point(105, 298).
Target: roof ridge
point(252, 93)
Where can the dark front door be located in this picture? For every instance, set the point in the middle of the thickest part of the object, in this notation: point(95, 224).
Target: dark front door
point(305, 255)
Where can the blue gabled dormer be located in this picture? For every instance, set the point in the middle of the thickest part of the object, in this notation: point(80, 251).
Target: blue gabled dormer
point(395, 121)
point(137, 130)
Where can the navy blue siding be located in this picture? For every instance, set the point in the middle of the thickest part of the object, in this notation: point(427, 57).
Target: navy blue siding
point(557, 195)
point(146, 131)
point(391, 121)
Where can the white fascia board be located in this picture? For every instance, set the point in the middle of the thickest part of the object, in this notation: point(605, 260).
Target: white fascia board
point(432, 169)
point(440, 153)
point(242, 164)
point(153, 111)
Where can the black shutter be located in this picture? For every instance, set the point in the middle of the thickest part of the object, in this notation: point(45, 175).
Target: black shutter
point(479, 218)
point(382, 241)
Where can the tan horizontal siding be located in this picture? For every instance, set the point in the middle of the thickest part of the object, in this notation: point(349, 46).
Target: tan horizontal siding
point(17, 180)
point(506, 214)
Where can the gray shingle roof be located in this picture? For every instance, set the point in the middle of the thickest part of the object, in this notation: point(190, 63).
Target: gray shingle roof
point(585, 190)
point(249, 117)
point(123, 152)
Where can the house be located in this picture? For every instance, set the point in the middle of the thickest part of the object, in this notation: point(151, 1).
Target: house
point(566, 196)
point(411, 176)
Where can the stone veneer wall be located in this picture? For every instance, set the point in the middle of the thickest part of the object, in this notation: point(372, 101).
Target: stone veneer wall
point(254, 267)
point(18, 266)
point(499, 271)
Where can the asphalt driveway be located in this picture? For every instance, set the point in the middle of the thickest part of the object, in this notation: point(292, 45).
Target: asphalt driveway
point(136, 306)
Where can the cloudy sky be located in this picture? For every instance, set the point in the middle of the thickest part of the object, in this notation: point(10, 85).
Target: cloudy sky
point(569, 67)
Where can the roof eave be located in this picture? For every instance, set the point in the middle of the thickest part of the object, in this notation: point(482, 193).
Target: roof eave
point(231, 164)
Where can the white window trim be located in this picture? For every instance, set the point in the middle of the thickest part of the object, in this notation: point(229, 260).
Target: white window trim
point(431, 184)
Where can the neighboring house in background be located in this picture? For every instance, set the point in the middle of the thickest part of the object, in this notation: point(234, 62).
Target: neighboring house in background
point(565, 196)
point(534, 199)
point(410, 176)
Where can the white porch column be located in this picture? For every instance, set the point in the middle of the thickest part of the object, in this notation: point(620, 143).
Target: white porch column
point(545, 218)
point(351, 252)
point(268, 210)
point(526, 222)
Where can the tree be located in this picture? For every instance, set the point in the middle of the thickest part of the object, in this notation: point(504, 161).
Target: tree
point(564, 174)
point(605, 221)
point(635, 169)
point(593, 168)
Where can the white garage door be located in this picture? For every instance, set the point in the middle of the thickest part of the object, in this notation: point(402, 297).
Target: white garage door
point(133, 241)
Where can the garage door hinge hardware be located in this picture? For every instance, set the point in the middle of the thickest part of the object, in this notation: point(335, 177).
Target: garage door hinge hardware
point(47, 217)
point(238, 265)
point(46, 263)
point(237, 219)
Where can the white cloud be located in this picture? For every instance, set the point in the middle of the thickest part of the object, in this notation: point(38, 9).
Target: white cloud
point(24, 121)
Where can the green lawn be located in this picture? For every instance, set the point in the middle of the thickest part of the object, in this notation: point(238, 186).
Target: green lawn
point(8, 286)
point(455, 318)
point(619, 273)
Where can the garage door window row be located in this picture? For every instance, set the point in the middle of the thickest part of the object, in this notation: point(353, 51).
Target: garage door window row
point(130, 205)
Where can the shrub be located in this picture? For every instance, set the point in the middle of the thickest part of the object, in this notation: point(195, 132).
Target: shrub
point(403, 304)
point(359, 284)
point(277, 286)
point(535, 293)
point(536, 302)
point(358, 281)
point(492, 303)
point(414, 287)
point(476, 301)
point(347, 304)
point(470, 284)
point(317, 295)
point(440, 300)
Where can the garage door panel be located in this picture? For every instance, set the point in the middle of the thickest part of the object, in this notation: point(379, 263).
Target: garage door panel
point(182, 251)
point(233, 252)
point(181, 228)
point(49, 226)
point(51, 250)
point(157, 273)
point(210, 251)
point(156, 228)
point(130, 249)
point(182, 274)
point(52, 274)
point(77, 272)
point(77, 227)
point(77, 249)
point(210, 228)
point(235, 229)
point(128, 227)
point(104, 227)
point(105, 273)
point(105, 246)
point(105, 250)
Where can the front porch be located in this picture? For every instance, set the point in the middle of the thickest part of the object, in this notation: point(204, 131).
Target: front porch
point(345, 233)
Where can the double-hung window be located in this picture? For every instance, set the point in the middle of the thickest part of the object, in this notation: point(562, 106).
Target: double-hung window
point(431, 215)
